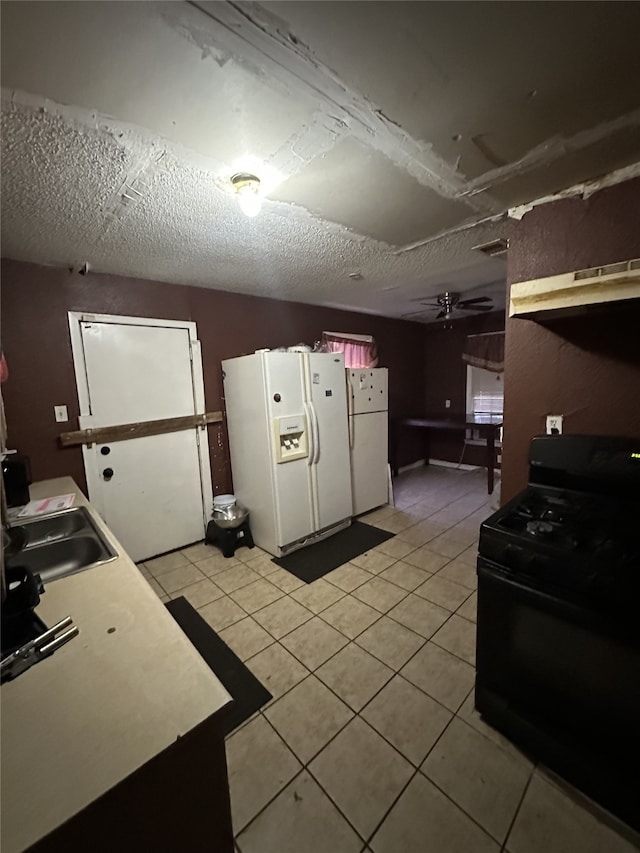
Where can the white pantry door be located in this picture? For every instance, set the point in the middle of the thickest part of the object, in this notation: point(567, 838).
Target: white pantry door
point(153, 492)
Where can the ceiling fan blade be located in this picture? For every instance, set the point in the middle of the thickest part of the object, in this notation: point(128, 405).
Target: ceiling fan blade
point(475, 307)
point(474, 301)
point(441, 314)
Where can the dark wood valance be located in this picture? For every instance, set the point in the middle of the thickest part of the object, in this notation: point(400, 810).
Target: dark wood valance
point(486, 351)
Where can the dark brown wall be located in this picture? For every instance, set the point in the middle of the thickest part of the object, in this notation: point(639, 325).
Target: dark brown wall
point(35, 339)
point(447, 380)
point(586, 368)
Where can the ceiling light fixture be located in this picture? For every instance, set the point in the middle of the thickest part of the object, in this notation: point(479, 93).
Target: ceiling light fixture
point(247, 187)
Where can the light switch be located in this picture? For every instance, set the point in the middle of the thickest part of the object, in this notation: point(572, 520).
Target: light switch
point(62, 416)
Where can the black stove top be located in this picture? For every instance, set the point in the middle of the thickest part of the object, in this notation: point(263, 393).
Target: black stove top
point(585, 540)
point(567, 521)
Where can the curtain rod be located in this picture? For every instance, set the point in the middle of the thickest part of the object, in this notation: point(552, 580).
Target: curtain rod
point(484, 334)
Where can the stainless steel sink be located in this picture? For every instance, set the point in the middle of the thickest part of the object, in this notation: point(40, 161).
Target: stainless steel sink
point(51, 528)
point(62, 544)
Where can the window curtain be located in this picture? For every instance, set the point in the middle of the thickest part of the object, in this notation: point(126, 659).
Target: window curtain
point(360, 351)
point(486, 351)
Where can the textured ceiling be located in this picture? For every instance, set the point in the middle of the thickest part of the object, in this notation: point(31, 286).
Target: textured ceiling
point(390, 137)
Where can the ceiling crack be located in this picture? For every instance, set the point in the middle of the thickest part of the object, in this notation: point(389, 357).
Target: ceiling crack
point(550, 150)
point(465, 226)
point(260, 38)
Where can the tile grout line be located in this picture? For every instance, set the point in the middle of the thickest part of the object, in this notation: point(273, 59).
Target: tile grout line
point(404, 788)
point(304, 768)
point(518, 807)
point(443, 792)
point(288, 595)
point(399, 534)
point(357, 714)
point(458, 805)
point(349, 640)
point(332, 656)
point(444, 506)
point(345, 592)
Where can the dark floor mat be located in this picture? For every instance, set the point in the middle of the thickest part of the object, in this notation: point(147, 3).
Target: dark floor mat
point(317, 560)
point(248, 693)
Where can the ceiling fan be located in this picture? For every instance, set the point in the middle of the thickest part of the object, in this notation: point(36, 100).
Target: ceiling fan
point(448, 302)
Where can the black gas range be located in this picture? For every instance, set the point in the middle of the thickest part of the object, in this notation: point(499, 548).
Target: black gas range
point(558, 642)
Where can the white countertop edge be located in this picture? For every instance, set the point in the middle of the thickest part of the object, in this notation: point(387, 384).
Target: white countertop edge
point(81, 721)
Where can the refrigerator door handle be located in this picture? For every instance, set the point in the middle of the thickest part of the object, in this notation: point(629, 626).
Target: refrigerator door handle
point(316, 436)
point(350, 407)
point(311, 434)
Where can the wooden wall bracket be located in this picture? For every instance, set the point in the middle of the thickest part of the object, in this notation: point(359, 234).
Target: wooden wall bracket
point(141, 429)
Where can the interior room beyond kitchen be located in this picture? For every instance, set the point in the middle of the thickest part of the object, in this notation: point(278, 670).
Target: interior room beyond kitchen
point(319, 427)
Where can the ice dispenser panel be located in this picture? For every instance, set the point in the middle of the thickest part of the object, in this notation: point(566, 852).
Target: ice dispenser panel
point(290, 438)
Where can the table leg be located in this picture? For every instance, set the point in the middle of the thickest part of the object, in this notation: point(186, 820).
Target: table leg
point(491, 458)
point(427, 445)
point(394, 439)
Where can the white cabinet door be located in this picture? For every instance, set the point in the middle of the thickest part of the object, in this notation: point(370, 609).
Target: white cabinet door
point(150, 491)
point(369, 449)
point(368, 389)
point(330, 471)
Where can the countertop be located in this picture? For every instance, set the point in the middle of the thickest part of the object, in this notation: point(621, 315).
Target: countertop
point(81, 721)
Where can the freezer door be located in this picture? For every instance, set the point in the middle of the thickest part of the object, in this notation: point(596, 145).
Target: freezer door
point(369, 478)
point(285, 392)
point(368, 390)
point(330, 469)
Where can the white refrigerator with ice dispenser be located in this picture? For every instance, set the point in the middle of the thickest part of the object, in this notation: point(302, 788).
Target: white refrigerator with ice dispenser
point(368, 404)
point(289, 445)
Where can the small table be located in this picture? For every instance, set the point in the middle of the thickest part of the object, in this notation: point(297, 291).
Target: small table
point(487, 425)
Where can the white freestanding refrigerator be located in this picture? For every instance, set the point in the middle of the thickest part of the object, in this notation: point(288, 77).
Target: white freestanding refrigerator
point(289, 445)
point(367, 392)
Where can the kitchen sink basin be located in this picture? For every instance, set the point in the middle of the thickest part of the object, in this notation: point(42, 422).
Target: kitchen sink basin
point(54, 527)
point(61, 544)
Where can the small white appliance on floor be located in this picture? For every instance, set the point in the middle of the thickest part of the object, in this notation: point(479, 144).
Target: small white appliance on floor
point(289, 445)
point(367, 391)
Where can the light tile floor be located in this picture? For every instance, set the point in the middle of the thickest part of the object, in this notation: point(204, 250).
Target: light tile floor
point(371, 743)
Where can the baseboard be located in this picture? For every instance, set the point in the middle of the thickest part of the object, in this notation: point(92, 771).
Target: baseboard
point(417, 464)
point(442, 463)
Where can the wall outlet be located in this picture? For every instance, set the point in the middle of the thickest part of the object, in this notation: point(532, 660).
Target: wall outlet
point(62, 416)
point(554, 424)
point(447, 404)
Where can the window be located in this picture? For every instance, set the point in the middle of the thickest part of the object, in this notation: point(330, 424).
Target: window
point(360, 351)
point(485, 397)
